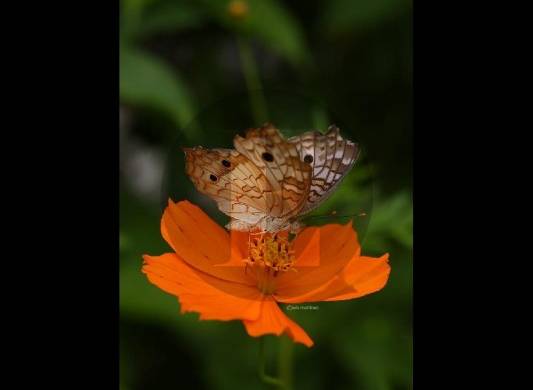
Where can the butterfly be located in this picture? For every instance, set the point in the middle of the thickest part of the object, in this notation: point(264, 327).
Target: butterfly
point(267, 182)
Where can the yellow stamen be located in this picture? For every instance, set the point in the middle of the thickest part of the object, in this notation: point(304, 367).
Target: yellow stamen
point(267, 256)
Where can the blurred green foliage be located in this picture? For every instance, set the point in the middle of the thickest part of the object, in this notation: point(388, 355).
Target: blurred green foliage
point(140, 72)
point(269, 22)
point(344, 16)
point(181, 84)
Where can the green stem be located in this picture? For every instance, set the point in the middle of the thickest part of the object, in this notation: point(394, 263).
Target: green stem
point(319, 118)
point(261, 368)
point(285, 361)
point(253, 81)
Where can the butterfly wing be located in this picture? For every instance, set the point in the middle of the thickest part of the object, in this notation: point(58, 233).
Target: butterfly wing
point(240, 189)
point(331, 158)
point(280, 162)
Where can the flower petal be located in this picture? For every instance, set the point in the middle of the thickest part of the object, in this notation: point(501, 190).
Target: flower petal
point(272, 320)
point(321, 253)
point(363, 275)
point(202, 243)
point(213, 298)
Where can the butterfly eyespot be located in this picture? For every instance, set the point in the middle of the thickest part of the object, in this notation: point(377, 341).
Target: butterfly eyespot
point(267, 156)
point(213, 178)
point(308, 159)
point(226, 163)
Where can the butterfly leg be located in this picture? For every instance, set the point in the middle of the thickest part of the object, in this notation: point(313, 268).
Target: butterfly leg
point(249, 258)
point(255, 235)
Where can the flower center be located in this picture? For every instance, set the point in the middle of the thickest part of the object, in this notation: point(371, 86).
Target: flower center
point(267, 256)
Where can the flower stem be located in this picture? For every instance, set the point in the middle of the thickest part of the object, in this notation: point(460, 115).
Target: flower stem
point(285, 361)
point(261, 368)
point(253, 81)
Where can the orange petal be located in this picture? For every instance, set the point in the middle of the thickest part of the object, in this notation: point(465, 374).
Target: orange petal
point(273, 321)
point(362, 276)
point(321, 253)
point(239, 242)
point(213, 298)
point(202, 243)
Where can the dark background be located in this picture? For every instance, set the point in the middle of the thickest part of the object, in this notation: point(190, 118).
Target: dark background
point(182, 83)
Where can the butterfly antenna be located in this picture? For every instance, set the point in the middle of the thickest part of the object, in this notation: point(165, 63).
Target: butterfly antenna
point(334, 214)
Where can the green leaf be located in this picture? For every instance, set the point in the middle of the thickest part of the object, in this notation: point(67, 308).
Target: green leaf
point(169, 17)
point(393, 218)
point(268, 21)
point(342, 16)
point(147, 81)
point(134, 5)
point(130, 15)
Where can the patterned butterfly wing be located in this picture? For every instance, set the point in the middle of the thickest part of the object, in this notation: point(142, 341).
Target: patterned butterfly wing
point(331, 158)
point(240, 189)
point(280, 162)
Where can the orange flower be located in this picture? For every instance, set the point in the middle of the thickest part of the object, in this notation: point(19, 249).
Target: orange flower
point(236, 276)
